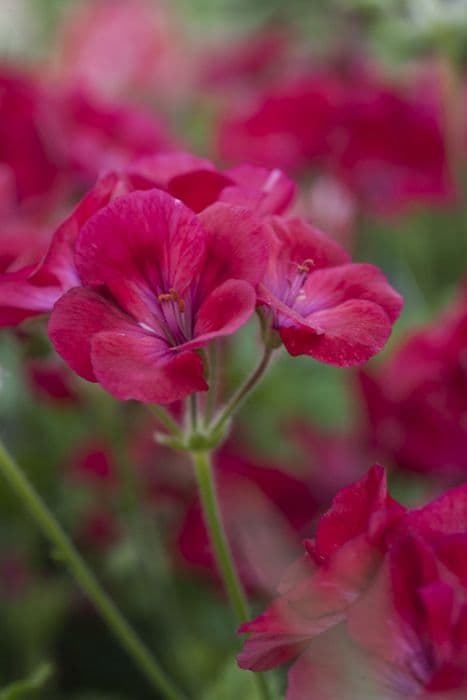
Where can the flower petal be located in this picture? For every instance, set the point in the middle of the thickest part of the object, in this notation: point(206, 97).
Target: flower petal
point(228, 307)
point(346, 335)
point(137, 365)
point(160, 169)
point(238, 245)
point(76, 318)
point(271, 189)
point(198, 188)
point(141, 245)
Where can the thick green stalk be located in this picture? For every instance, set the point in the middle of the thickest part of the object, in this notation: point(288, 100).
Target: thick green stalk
point(51, 528)
point(222, 552)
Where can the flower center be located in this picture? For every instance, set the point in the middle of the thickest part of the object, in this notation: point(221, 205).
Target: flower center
point(174, 317)
point(173, 295)
point(296, 281)
point(305, 266)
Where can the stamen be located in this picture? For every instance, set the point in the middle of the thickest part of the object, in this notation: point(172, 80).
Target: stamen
point(306, 265)
point(173, 295)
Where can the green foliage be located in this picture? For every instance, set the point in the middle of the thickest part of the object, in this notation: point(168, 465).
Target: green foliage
point(234, 683)
point(26, 689)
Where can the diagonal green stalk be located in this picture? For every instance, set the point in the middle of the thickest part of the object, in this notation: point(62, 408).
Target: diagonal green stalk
point(243, 390)
point(222, 552)
point(51, 528)
point(165, 419)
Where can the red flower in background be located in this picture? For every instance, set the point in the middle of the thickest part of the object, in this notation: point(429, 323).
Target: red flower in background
point(126, 47)
point(160, 282)
point(332, 458)
point(30, 289)
point(322, 304)
point(97, 136)
point(418, 603)
point(95, 479)
point(416, 402)
point(245, 61)
point(337, 567)
point(28, 145)
point(287, 127)
point(390, 147)
point(385, 141)
point(50, 380)
point(393, 581)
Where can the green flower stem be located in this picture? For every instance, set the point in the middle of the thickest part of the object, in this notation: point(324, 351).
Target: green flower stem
point(223, 554)
point(243, 390)
point(213, 353)
point(212, 515)
point(86, 579)
point(193, 402)
point(166, 420)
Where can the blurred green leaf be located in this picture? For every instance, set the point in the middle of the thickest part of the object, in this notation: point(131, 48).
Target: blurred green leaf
point(234, 683)
point(21, 690)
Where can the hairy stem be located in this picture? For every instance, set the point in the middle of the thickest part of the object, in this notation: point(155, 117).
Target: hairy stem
point(67, 552)
point(222, 552)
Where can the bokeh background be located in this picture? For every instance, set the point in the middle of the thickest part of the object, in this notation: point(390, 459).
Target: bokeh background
point(363, 103)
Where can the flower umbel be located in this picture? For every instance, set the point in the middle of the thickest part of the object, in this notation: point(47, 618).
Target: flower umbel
point(158, 283)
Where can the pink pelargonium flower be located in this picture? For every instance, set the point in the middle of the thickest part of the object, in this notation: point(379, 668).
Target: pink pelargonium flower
point(322, 304)
point(416, 402)
point(318, 590)
point(198, 183)
point(118, 48)
point(417, 603)
point(391, 582)
point(28, 146)
point(32, 282)
point(96, 136)
point(159, 283)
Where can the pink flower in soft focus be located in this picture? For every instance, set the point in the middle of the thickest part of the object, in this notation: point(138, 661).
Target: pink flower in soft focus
point(391, 583)
point(50, 380)
point(25, 145)
point(337, 567)
point(111, 48)
point(97, 136)
point(332, 458)
point(92, 465)
point(416, 402)
point(387, 142)
point(389, 146)
point(93, 474)
point(32, 282)
point(98, 528)
point(246, 60)
point(332, 207)
point(322, 304)
point(414, 616)
point(28, 147)
point(287, 127)
point(276, 507)
point(159, 282)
